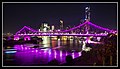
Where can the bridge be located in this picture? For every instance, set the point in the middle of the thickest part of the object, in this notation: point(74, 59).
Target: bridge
point(85, 29)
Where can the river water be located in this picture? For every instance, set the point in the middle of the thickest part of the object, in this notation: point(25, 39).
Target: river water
point(47, 50)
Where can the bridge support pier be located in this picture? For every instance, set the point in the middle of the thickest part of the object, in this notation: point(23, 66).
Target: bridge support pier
point(16, 37)
point(27, 38)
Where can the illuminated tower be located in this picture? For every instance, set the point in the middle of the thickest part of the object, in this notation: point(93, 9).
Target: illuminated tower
point(87, 13)
point(42, 26)
point(87, 18)
point(61, 25)
point(53, 27)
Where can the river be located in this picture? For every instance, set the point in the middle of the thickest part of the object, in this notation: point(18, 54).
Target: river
point(47, 50)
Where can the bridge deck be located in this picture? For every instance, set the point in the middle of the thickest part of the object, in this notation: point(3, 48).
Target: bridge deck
point(61, 35)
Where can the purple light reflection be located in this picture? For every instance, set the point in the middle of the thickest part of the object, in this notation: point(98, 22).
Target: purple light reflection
point(73, 55)
point(27, 56)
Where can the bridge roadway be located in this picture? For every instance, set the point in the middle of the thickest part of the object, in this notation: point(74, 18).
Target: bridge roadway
point(84, 35)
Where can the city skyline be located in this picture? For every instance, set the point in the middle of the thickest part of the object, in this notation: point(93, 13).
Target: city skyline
point(34, 14)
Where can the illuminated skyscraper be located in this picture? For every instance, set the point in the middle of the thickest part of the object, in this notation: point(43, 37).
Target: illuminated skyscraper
point(87, 13)
point(53, 27)
point(44, 27)
point(87, 18)
point(61, 25)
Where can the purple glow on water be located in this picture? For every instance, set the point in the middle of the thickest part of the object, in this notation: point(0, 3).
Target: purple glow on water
point(41, 56)
point(49, 52)
point(79, 53)
point(61, 53)
point(73, 55)
point(55, 54)
point(32, 51)
point(66, 53)
point(36, 50)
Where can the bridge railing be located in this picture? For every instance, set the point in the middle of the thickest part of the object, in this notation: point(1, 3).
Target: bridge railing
point(61, 34)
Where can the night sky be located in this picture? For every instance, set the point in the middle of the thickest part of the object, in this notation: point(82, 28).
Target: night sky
point(17, 15)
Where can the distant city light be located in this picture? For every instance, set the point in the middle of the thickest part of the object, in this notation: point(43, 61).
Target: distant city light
point(53, 27)
point(61, 21)
point(86, 8)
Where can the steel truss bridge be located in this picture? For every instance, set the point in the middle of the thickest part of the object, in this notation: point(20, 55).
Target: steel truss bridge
point(85, 29)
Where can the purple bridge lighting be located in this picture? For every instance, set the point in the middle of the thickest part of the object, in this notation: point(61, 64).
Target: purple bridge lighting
point(89, 29)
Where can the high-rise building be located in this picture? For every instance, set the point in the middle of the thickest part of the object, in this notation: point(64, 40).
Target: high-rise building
point(61, 25)
point(39, 30)
point(87, 18)
point(44, 27)
point(87, 13)
point(53, 27)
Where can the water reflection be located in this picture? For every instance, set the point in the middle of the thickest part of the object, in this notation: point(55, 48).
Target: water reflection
point(44, 56)
point(64, 42)
point(46, 41)
point(58, 42)
point(53, 43)
point(46, 51)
